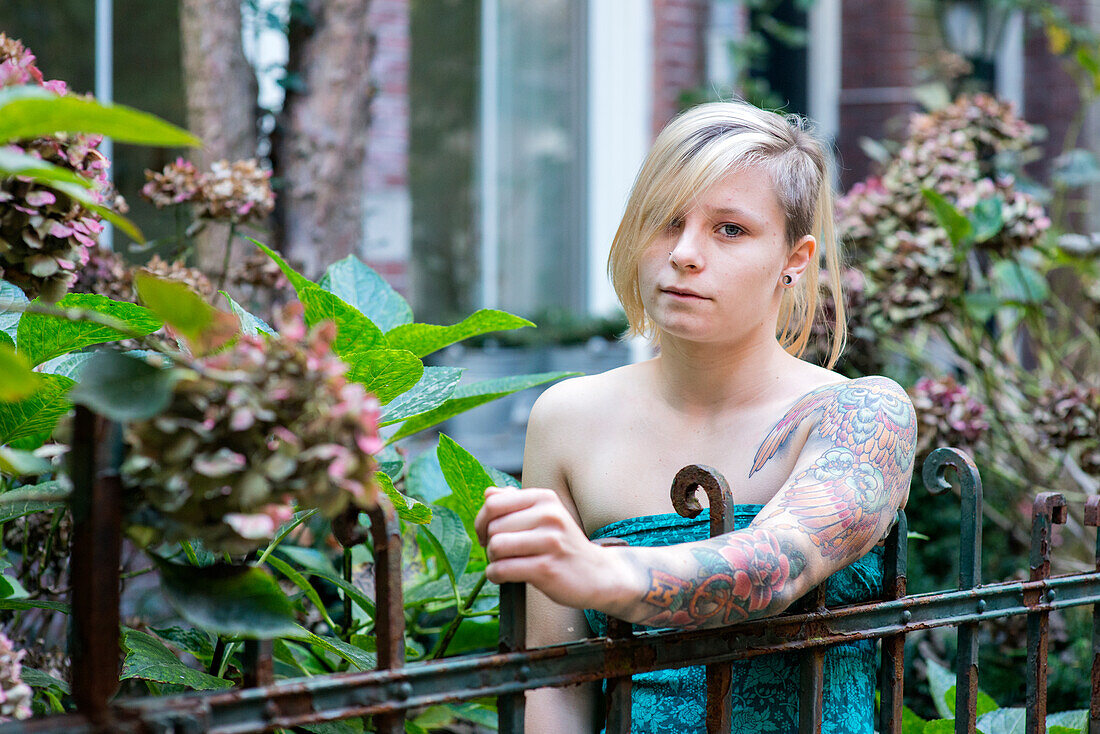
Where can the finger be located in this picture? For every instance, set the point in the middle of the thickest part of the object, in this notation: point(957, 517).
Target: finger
point(538, 516)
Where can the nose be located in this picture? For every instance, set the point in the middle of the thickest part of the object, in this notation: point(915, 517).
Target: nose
point(686, 253)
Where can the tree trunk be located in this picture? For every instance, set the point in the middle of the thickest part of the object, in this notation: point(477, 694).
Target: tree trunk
point(320, 144)
point(221, 99)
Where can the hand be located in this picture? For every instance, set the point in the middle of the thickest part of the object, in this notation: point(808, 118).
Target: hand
point(530, 537)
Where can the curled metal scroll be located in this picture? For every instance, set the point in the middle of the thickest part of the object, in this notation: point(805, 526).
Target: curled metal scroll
point(697, 476)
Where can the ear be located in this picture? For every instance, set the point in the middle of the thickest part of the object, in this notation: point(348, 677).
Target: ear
point(803, 253)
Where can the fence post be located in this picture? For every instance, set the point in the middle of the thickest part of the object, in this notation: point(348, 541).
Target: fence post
point(684, 485)
point(1092, 519)
point(892, 671)
point(970, 570)
point(1049, 508)
point(617, 699)
point(513, 638)
point(95, 555)
point(389, 621)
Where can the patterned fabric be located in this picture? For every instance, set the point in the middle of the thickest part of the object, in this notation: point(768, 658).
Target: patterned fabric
point(765, 689)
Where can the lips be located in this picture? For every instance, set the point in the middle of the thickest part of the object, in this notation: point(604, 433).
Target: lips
point(684, 293)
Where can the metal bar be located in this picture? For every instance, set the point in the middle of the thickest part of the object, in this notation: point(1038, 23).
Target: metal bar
point(811, 691)
point(1092, 519)
point(389, 614)
point(892, 670)
point(94, 562)
point(970, 570)
point(1049, 508)
point(259, 665)
point(618, 697)
point(513, 638)
point(811, 672)
point(329, 698)
point(720, 500)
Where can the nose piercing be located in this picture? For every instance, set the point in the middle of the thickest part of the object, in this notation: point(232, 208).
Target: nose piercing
point(788, 279)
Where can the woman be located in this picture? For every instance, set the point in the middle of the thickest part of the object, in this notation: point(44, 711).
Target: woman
point(717, 258)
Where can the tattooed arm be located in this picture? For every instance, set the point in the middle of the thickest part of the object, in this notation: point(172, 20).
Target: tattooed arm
point(850, 477)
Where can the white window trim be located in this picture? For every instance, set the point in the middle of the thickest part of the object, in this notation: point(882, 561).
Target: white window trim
point(620, 100)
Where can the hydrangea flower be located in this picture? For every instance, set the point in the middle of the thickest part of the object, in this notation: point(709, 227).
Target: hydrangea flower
point(947, 415)
point(267, 426)
point(15, 695)
point(45, 235)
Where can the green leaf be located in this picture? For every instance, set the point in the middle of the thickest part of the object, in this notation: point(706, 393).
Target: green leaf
point(348, 726)
point(240, 601)
point(148, 659)
point(354, 655)
point(425, 479)
point(1002, 721)
point(19, 381)
point(67, 365)
point(21, 605)
point(423, 339)
point(956, 224)
point(27, 114)
point(385, 372)
point(987, 218)
point(37, 415)
point(47, 495)
point(910, 722)
point(408, 509)
point(190, 640)
point(297, 280)
point(981, 306)
point(358, 285)
point(251, 325)
point(448, 534)
point(302, 583)
point(466, 397)
point(1064, 730)
point(40, 679)
point(467, 479)
point(435, 386)
point(325, 572)
point(14, 163)
point(1013, 282)
point(124, 388)
point(984, 704)
point(181, 308)
point(1076, 168)
point(1076, 720)
point(354, 331)
point(940, 726)
point(12, 303)
point(42, 337)
point(940, 680)
point(16, 463)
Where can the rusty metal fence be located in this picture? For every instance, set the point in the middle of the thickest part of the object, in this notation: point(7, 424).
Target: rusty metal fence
point(386, 694)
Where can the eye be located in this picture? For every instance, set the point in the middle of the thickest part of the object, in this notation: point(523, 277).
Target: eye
point(731, 230)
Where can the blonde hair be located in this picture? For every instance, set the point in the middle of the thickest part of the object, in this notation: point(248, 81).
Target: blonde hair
point(695, 150)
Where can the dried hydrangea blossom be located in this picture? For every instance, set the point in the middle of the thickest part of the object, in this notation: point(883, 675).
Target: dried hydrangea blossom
point(179, 182)
point(1068, 416)
point(947, 414)
point(15, 695)
point(44, 234)
point(233, 192)
point(860, 352)
point(913, 275)
point(268, 425)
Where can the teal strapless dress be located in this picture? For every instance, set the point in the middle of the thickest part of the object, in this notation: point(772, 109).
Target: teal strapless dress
point(765, 689)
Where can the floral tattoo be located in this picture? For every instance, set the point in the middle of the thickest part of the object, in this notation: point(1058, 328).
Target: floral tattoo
point(867, 430)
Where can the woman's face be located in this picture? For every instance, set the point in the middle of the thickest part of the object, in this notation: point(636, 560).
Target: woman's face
point(722, 281)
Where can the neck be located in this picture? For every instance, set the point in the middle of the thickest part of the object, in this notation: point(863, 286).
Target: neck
point(704, 378)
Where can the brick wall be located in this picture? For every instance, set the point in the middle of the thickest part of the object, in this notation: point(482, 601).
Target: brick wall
point(1050, 95)
point(388, 227)
point(878, 60)
point(679, 54)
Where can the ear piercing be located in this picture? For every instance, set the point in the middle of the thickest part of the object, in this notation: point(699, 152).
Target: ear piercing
point(788, 279)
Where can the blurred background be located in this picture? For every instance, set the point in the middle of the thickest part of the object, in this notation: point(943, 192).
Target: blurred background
point(478, 153)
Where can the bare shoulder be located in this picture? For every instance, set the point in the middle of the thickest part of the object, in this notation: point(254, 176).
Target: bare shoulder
point(575, 401)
